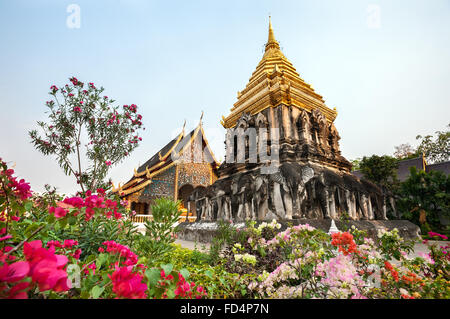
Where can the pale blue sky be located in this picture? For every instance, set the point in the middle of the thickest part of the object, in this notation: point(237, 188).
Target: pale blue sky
point(176, 58)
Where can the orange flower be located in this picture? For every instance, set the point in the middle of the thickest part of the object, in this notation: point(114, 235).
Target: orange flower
point(388, 265)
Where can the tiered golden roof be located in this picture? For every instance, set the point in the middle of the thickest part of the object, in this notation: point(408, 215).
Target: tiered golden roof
point(275, 81)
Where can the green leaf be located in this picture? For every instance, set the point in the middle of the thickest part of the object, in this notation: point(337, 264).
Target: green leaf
point(28, 206)
point(97, 291)
point(101, 259)
point(167, 268)
point(209, 273)
point(170, 294)
point(72, 220)
point(185, 273)
point(153, 275)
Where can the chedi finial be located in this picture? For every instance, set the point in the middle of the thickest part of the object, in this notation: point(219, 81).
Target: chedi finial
point(271, 41)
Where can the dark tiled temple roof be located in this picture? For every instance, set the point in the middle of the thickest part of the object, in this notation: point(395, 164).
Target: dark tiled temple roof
point(404, 165)
point(443, 167)
point(155, 158)
point(358, 174)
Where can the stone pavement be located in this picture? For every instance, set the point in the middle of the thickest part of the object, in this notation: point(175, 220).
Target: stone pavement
point(192, 245)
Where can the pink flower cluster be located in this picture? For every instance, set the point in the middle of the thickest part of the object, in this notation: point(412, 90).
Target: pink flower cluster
point(341, 276)
point(20, 188)
point(183, 288)
point(75, 82)
point(114, 118)
point(123, 251)
point(45, 268)
point(66, 247)
point(133, 109)
point(433, 234)
point(91, 202)
point(128, 284)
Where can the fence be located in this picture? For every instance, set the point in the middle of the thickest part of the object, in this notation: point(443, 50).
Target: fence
point(142, 218)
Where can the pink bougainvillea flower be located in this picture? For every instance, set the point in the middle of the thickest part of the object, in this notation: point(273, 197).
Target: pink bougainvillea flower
point(108, 163)
point(14, 272)
point(127, 284)
point(433, 234)
point(76, 201)
point(77, 254)
point(58, 212)
point(46, 268)
point(54, 243)
point(69, 243)
point(19, 291)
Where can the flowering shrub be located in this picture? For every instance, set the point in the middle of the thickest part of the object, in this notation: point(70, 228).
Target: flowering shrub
point(85, 246)
point(76, 112)
point(312, 264)
point(50, 248)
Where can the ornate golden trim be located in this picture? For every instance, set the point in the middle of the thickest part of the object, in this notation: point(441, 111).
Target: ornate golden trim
point(134, 189)
point(176, 183)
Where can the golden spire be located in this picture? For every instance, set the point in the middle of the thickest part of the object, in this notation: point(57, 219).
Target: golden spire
point(271, 41)
point(259, 95)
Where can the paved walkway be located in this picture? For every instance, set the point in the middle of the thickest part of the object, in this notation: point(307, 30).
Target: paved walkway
point(193, 245)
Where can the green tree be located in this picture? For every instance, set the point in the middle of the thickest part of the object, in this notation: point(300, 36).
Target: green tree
point(435, 149)
point(78, 115)
point(356, 164)
point(424, 198)
point(381, 170)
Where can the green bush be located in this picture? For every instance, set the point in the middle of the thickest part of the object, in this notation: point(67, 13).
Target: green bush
point(425, 197)
point(159, 232)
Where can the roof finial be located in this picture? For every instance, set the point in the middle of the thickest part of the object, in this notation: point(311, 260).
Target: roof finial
point(201, 117)
point(271, 41)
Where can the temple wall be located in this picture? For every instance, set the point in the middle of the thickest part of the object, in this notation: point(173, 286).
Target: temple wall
point(162, 185)
point(195, 174)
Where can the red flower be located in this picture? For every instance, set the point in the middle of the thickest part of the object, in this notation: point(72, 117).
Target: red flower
point(69, 243)
point(14, 272)
point(46, 268)
point(388, 265)
point(345, 242)
point(58, 211)
point(127, 284)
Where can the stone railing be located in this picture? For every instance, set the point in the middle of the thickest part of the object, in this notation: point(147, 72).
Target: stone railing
point(143, 218)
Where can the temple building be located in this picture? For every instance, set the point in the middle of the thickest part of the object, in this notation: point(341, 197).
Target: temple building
point(283, 159)
point(186, 163)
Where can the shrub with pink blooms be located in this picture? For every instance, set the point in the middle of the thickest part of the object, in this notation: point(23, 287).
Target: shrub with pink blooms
point(308, 263)
point(86, 133)
point(86, 246)
point(76, 247)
